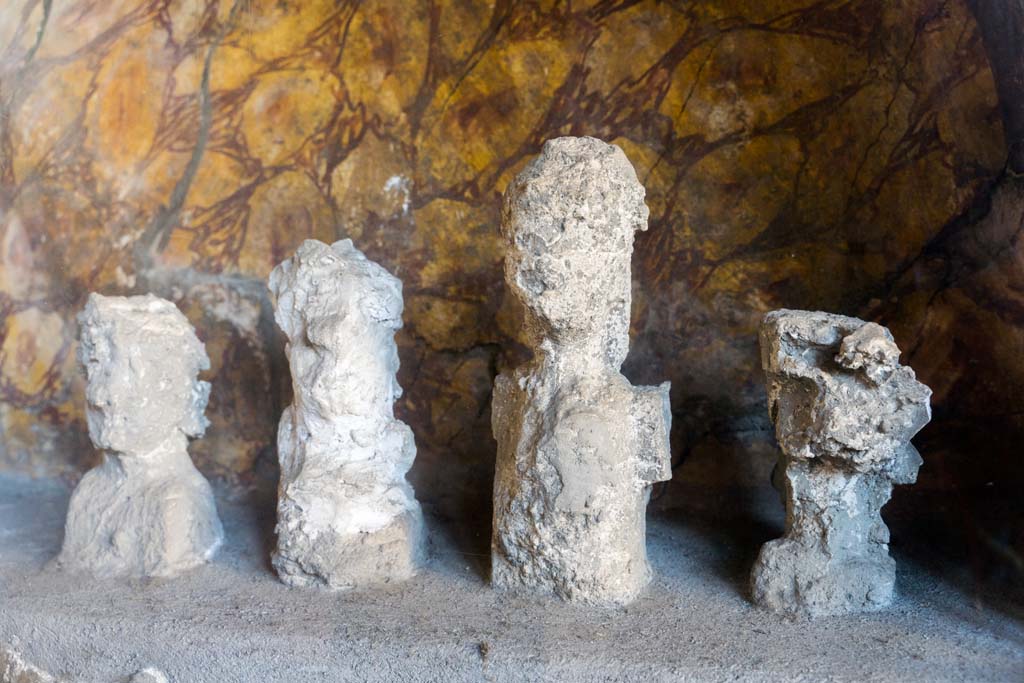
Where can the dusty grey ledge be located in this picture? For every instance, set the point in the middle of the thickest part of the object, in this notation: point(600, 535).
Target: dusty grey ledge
point(231, 620)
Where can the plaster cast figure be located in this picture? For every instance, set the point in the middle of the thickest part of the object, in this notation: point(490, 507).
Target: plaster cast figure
point(346, 516)
point(145, 510)
point(844, 411)
point(578, 445)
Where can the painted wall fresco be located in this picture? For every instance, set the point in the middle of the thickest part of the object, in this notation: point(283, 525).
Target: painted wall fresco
point(808, 154)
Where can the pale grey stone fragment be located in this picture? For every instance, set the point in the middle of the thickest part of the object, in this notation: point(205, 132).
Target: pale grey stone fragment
point(14, 669)
point(844, 411)
point(578, 446)
point(148, 675)
point(145, 510)
point(346, 516)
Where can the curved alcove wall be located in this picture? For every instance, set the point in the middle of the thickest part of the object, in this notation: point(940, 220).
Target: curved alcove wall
point(815, 155)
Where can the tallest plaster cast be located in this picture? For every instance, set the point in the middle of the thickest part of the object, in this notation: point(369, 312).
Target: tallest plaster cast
point(578, 445)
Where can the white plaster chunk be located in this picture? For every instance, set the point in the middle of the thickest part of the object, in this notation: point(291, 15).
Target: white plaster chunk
point(145, 511)
point(346, 516)
point(578, 445)
point(844, 411)
point(149, 675)
point(14, 669)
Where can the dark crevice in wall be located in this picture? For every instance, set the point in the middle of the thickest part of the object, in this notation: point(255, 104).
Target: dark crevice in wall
point(1002, 28)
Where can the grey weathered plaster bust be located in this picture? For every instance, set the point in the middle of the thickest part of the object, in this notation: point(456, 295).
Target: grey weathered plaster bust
point(844, 411)
point(578, 446)
point(145, 510)
point(346, 516)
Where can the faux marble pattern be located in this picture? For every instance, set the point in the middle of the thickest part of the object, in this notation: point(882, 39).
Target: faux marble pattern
point(798, 153)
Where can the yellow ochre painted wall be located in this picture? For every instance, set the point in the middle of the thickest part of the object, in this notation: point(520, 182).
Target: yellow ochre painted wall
point(796, 153)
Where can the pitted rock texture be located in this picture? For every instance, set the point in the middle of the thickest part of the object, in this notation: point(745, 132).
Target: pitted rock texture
point(145, 510)
point(844, 411)
point(578, 445)
point(346, 516)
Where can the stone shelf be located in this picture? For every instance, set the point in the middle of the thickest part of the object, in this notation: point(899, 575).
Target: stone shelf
point(233, 621)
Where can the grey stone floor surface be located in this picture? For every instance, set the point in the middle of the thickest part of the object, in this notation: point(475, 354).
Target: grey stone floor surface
point(233, 621)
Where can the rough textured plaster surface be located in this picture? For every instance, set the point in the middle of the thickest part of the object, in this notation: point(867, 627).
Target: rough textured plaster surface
point(578, 446)
point(145, 510)
point(844, 411)
point(447, 624)
point(346, 516)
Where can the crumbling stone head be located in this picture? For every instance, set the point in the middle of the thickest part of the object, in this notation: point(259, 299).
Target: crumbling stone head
point(872, 351)
point(142, 360)
point(334, 302)
point(837, 392)
point(845, 411)
point(568, 220)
